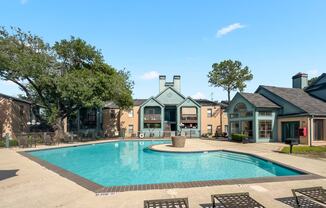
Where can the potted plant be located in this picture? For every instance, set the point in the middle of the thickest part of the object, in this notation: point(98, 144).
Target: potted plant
point(178, 141)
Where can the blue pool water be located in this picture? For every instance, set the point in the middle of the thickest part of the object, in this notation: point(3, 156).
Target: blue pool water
point(130, 163)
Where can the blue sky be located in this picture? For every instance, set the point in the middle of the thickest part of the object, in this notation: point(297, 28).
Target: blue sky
point(274, 38)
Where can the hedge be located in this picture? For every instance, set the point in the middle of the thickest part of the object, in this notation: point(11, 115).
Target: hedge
point(12, 143)
point(238, 137)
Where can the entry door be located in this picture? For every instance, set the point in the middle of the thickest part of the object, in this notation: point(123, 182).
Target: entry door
point(318, 129)
point(290, 130)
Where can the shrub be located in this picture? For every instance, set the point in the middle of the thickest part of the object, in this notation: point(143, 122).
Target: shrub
point(238, 137)
point(12, 143)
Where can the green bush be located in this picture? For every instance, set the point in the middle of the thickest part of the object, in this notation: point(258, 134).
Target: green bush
point(12, 143)
point(238, 137)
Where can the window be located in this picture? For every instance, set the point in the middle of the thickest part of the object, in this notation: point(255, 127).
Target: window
point(265, 129)
point(152, 110)
point(234, 115)
point(234, 127)
point(246, 128)
point(131, 113)
point(88, 118)
point(131, 129)
point(209, 113)
point(240, 107)
point(240, 110)
point(226, 128)
point(209, 129)
point(152, 125)
point(112, 113)
point(21, 110)
point(265, 113)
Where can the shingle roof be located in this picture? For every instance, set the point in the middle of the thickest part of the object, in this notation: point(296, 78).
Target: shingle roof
point(258, 100)
point(206, 102)
point(300, 99)
point(15, 98)
point(138, 102)
point(111, 104)
point(315, 86)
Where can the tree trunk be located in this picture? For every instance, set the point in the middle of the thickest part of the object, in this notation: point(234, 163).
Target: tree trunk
point(58, 130)
point(229, 92)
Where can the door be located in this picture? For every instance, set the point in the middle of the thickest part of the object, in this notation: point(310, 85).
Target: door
point(290, 130)
point(318, 130)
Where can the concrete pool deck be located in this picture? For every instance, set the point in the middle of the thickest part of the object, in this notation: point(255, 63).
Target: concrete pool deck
point(36, 186)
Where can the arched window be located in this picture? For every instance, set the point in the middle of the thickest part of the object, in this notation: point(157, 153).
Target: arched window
point(240, 107)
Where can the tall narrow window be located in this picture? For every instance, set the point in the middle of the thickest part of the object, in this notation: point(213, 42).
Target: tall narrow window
point(209, 112)
point(265, 129)
point(131, 129)
point(209, 129)
point(112, 113)
point(131, 113)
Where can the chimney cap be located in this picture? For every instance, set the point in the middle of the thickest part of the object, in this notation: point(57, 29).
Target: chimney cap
point(162, 77)
point(300, 74)
point(176, 77)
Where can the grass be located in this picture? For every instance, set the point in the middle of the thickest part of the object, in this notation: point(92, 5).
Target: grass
point(305, 149)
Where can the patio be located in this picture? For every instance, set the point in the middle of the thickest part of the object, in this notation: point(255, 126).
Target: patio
point(36, 186)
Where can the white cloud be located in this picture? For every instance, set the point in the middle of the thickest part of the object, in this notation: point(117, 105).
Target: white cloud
point(225, 30)
point(150, 75)
point(23, 2)
point(313, 73)
point(199, 95)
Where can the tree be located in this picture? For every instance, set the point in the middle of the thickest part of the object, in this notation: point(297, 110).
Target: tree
point(61, 78)
point(312, 80)
point(229, 75)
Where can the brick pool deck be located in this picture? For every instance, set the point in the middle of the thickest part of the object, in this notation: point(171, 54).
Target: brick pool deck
point(37, 186)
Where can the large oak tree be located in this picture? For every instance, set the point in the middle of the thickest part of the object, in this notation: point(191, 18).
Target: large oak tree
point(62, 78)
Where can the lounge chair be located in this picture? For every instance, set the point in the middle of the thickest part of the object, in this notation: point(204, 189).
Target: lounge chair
point(316, 193)
point(239, 200)
point(167, 203)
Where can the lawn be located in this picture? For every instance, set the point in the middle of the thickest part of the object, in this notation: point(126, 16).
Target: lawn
point(305, 150)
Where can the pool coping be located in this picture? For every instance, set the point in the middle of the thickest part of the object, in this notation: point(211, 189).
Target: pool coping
point(97, 188)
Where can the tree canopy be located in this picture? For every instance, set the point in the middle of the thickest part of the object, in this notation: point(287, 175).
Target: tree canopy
point(230, 75)
point(62, 78)
point(312, 80)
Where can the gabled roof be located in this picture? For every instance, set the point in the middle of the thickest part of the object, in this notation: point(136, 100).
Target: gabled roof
point(189, 98)
point(152, 98)
point(298, 98)
point(174, 90)
point(258, 100)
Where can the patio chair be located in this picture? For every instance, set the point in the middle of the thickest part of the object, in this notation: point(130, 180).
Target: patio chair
point(239, 200)
point(68, 138)
point(167, 203)
point(48, 140)
point(316, 193)
point(22, 141)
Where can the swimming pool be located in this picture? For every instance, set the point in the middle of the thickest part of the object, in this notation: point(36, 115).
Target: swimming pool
point(124, 163)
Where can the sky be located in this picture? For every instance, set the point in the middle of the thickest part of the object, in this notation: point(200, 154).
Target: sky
point(274, 38)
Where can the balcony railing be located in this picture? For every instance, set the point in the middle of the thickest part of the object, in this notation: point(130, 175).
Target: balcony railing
point(189, 118)
point(152, 118)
